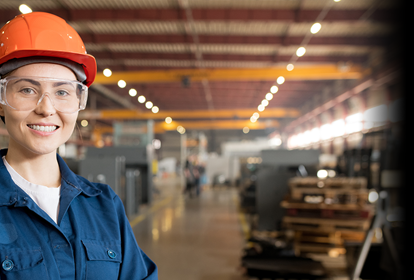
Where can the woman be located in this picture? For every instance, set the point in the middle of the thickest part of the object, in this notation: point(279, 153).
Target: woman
point(53, 223)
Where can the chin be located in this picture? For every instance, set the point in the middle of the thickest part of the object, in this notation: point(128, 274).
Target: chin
point(41, 147)
point(42, 150)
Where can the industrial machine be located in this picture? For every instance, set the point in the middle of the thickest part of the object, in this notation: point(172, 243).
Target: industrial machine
point(128, 170)
point(276, 168)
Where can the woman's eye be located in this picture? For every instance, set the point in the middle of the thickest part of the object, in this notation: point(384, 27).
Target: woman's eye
point(62, 93)
point(28, 91)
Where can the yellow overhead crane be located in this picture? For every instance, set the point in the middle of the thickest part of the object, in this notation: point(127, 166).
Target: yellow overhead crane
point(227, 119)
point(218, 119)
point(160, 127)
point(301, 72)
point(127, 114)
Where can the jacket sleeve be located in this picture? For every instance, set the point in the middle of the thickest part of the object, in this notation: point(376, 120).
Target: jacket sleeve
point(136, 265)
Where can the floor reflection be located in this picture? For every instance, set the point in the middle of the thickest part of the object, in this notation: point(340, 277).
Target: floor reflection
point(192, 238)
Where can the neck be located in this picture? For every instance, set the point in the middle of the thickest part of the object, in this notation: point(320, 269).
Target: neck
point(37, 169)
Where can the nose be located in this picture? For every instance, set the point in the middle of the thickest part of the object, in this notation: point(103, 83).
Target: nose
point(45, 106)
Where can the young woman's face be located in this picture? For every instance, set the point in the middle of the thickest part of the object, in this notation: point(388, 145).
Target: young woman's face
point(25, 127)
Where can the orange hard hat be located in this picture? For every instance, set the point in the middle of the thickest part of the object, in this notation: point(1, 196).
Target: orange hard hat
point(40, 34)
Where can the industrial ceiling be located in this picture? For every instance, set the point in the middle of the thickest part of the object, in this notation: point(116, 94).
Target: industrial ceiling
point(210, 63)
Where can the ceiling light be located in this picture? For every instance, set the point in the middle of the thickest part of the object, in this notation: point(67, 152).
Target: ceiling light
point(269, 96)
point(315, 135)
point(156, 143)
point(149, 104)
point(155, 109)
point(338, 128)
point(100, 143)
point(181, 129)
point(133, 92)
point(141, 99)
point(290, 67)
point(274, 89)
point(246, 130)
point(121, 83)
point(358, 117)
point(337, 0)
point(168, 119)
point(253, 119)
point(300, 51)
point(315, 28)
point(326, 131)
point(107, 72)
point(260, 108)
point(265, 102)
point(280, 80)
point(84, 123)
point(24, 9)
point(256, 115)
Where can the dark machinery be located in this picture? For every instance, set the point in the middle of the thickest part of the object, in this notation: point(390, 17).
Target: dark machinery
point(385, 260)
point(247, 186)
point(126, 169)
point(267, 182)
point(277, 167)
point(273, 257)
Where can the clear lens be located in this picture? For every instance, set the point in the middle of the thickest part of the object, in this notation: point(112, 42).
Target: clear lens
point(25, 93)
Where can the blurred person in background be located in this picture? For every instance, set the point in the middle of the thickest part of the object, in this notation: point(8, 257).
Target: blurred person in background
point(200, 174)
point(203, 175)
point(190, 177)
point(54, 224)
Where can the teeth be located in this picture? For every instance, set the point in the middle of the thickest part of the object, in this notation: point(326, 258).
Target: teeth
point(43, 128)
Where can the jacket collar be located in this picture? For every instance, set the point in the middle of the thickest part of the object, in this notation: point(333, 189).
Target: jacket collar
point(9, 190)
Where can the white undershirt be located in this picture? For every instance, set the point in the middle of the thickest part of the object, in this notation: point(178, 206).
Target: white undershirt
point(46, 198)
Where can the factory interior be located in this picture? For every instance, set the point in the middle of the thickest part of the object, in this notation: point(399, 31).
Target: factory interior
point(285, 117)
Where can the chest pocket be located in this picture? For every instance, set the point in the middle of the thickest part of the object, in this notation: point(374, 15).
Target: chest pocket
point(22, 264)
point(103, 259)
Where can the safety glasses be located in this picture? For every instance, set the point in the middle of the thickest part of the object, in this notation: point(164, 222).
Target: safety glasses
point(25, 93)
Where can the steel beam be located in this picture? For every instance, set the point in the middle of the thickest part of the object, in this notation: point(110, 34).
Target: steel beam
point(187, 114)
point(220, 14)
point(100, 89)
point(159, 127)
point(318, 72)
point(105, 38)
point(388, 76)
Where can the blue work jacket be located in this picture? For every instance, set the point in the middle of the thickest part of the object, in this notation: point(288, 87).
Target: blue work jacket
point(91, 240)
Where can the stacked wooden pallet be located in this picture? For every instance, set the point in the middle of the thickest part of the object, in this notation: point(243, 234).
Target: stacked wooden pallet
point(324, 213)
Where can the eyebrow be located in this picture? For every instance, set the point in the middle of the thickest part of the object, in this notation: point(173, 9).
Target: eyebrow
point(62, 83)
point(36, 83)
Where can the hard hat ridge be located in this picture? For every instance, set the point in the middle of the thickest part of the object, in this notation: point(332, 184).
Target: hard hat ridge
point(40, 34)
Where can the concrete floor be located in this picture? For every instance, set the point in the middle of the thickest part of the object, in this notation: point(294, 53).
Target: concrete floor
point(198, 238)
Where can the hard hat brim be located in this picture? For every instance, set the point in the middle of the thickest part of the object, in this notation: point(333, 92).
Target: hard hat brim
point(87, 61)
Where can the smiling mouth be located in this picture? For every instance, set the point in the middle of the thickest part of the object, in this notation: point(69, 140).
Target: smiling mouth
point(48, 128)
